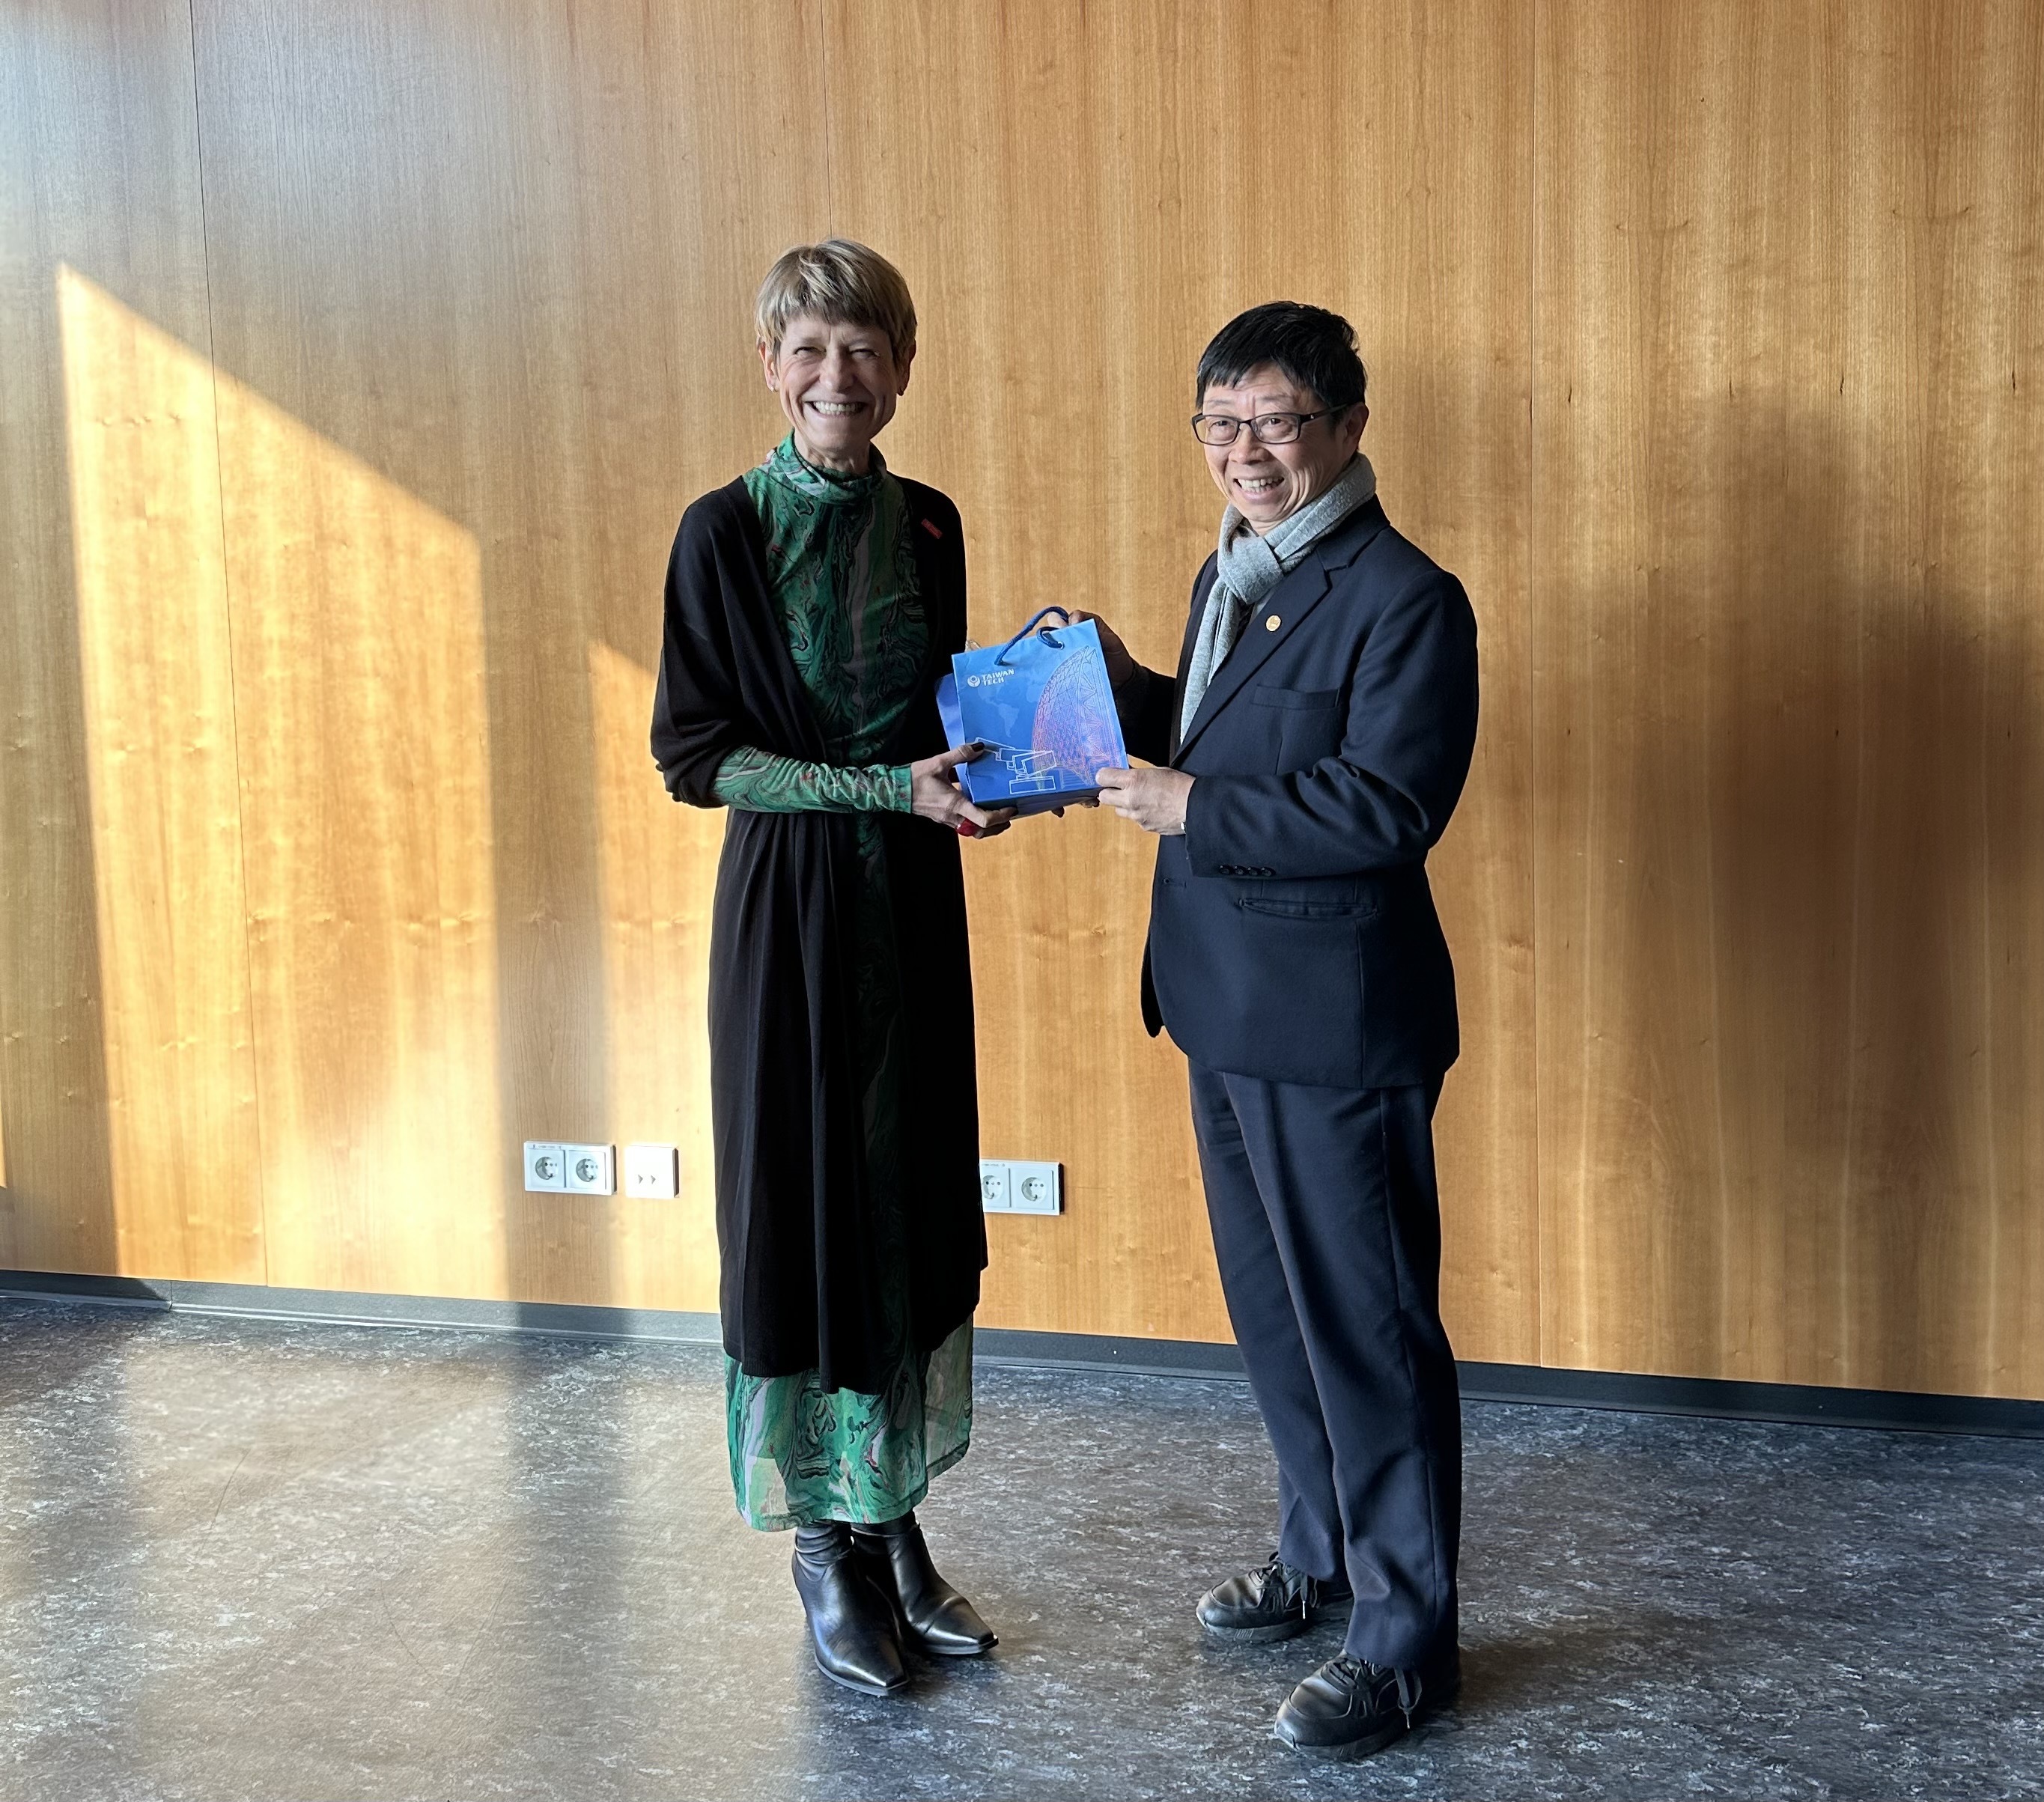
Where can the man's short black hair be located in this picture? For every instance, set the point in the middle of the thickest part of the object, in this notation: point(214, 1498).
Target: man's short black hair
point(1314, 348)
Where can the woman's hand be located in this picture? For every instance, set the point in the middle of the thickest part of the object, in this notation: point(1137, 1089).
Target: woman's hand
point(935, 794)
point(1120, 666)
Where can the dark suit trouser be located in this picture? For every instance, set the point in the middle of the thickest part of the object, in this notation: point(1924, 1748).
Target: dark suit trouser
point(1326, 1225)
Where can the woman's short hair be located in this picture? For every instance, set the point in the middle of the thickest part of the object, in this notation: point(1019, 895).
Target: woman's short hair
point(1314, 348)
point(842, 283)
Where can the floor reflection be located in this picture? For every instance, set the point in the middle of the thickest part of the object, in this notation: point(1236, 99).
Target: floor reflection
point(249, 1560)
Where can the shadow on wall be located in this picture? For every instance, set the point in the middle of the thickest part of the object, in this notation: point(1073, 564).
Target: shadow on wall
point(1791, 945)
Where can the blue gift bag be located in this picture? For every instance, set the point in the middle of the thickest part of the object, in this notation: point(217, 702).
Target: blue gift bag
point(1043, 706)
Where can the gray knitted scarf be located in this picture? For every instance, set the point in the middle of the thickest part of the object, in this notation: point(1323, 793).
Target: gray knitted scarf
point(1251, 565)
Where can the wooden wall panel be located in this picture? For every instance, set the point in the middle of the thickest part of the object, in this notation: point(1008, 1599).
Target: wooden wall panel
point(125, 1078)
point(1787, 519)
point(505, 256)
point(1704, 345)
point(157, 694)
point(372, 940)
point(1080, 196)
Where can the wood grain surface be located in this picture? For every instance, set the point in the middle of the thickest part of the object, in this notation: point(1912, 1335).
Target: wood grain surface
point(507, 264)
point(1082, 198)
point(1788, 510)
point(1704, 346)
point(359, 667)
point(124, 1086)
point(156, 697)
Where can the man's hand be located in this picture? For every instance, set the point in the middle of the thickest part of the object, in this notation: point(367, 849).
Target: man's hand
point(935, 794)
point(1155, 799)
point(1120, 666)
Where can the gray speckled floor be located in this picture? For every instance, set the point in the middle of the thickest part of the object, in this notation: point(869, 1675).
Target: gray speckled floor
point(241, 1560)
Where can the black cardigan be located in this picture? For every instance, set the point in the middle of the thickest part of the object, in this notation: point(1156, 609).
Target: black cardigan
point(799, 1286)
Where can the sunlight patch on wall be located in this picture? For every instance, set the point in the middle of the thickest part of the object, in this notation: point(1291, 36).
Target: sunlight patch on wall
point(359, 663)
point(156, 666)
point(288, 746)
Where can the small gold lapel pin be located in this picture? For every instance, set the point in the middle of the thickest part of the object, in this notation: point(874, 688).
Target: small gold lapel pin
point(1273, 623)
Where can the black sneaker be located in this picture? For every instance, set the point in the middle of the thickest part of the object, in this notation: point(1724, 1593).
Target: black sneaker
point(1274, 1602)
point(1349, 1709)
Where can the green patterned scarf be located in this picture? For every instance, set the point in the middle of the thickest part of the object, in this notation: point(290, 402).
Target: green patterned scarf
point(843, 573)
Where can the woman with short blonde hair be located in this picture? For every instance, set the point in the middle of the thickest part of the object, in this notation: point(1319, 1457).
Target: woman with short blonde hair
point(841, 281)
point(810, 606)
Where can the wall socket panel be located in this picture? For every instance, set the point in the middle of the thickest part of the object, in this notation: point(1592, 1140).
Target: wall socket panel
point(552, 1167)
point(546, 1167)
point(592, 1170)
point(1012, 1185)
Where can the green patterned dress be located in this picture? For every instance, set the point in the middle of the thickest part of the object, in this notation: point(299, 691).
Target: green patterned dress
point(843, 575)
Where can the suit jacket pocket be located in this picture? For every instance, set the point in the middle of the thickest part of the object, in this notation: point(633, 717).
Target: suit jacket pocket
point(1310, 724)
point(1307, 907)
point(1303, 699)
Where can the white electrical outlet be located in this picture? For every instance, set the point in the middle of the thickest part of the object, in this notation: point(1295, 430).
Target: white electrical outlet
point(1035, 1189)
point(1011, 1185)
point(546, 1165)
point(591, 1170)
point(654, 1170)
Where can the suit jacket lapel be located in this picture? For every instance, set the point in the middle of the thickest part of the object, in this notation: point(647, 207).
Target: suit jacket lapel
point(1202, 587)
point(1288, 603)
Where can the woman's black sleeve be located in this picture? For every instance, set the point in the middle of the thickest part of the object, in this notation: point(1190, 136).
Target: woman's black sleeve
point(1147, 703)
point(697, 718)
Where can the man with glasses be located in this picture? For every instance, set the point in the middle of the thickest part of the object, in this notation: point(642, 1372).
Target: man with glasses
point(1307, 754)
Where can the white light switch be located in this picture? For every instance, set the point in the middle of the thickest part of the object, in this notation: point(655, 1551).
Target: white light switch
point(654, 1170)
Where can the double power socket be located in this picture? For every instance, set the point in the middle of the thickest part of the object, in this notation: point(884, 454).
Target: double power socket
point(650, 1171)
point(1013, 1185)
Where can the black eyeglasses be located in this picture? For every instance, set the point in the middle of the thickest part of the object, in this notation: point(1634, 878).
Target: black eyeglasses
point(1217, 429)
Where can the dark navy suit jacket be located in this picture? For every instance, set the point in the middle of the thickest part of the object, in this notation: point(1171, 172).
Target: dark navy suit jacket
point(1292, 935)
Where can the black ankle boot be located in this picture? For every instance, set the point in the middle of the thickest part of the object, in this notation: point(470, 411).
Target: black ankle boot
point(852, 1621)
point(930, 1613)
